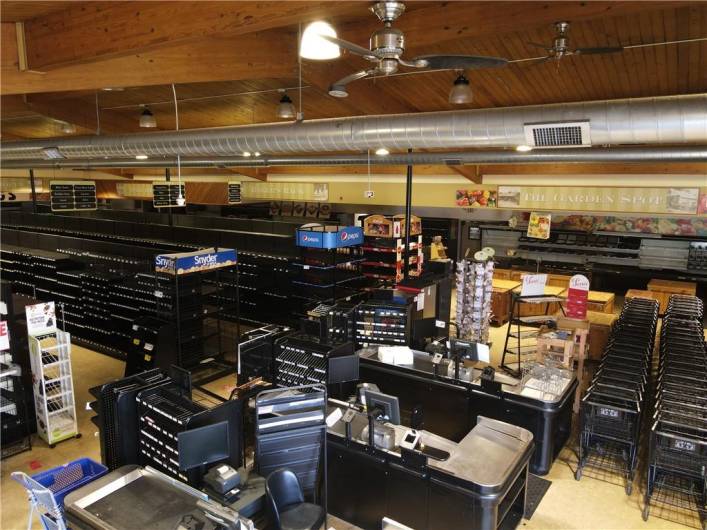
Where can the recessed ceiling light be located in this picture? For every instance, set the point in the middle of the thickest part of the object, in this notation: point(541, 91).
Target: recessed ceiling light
point(113, 89)
point(313, 46)
point(256, 153)
point(68, 128)
point(141, 157)
point(524, 148)
point(246, 153)
point(382, 151)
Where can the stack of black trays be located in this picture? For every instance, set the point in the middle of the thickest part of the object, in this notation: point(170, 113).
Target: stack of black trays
point(118, 438)
point(302, 359)
point(384, 322)
point(97, 298)
point(256, 352)
point(677, 464)
point(179, 300)
point(614, 405)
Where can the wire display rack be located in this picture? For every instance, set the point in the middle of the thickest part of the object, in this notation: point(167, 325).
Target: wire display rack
point(50, 358)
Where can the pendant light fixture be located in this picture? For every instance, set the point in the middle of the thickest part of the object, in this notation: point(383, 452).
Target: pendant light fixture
point(461, 91)
point(147, 119)
point(285, 109)
point(313, 46)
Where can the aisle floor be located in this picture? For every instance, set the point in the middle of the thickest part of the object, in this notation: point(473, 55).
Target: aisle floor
point(569, 504)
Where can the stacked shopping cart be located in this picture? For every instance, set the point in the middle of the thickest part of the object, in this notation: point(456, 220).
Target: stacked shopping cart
point(612, 409)
point(677, 466)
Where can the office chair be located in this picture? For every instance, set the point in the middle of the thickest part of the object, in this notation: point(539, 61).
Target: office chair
point(286, 501)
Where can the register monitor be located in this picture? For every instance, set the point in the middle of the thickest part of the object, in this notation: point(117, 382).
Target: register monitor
point(386, 403)
point(203, 445)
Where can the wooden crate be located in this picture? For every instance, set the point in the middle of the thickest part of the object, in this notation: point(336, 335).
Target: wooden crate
point(637, 293)
point(599, 330)
point(664, 288)
point(559, 280)
point(502, 274)
point(501, 300)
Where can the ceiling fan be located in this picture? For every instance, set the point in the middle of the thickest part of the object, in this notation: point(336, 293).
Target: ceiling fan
point(561, 46)
point(387, 46)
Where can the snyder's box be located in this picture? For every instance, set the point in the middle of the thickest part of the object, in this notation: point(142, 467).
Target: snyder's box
point(199, 261)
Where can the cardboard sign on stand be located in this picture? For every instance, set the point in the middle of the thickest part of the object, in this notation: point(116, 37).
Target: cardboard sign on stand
point(41, 319)
point(533, 285)
point(577, 297)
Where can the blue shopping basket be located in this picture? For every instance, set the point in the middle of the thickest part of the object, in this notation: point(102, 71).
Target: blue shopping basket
point(47, 490)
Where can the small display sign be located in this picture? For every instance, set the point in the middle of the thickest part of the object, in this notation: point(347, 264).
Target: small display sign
point(4, 336)
point(68, 196)
point(234, 193)
point(199, 261)
point(165, 194)
point(533, 285)
point(577, 297)
point(41, 318)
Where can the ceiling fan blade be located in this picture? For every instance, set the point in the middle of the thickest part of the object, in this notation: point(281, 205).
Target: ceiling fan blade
point(459, 62)
point(594, 51)
point(353, 48)
point(338, 89)
point(535, 62)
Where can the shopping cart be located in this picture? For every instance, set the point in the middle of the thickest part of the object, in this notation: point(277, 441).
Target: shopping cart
point(46, 490)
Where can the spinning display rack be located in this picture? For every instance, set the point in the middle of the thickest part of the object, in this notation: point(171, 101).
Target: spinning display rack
point(474, 289)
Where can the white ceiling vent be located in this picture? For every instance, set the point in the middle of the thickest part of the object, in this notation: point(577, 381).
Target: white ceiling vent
point(558, 134)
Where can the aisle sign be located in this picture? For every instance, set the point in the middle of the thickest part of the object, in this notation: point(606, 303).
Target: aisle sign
point(165, 194)
point(4, 336)
point(41, 319)
point(234, 193)
point(533, 285)
point(71, 196)
point(577, 296)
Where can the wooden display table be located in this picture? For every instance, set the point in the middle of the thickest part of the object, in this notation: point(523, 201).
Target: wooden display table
point(599, 330)
point(599, 301)
point(501, 300)
point(664, 288)
point(637, 293)
point(528, 310)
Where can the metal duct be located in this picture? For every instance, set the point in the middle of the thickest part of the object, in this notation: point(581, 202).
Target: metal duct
point(663, 120)
point(697, 153)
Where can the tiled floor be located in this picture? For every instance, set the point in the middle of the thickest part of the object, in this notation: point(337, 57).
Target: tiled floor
point(588, 504)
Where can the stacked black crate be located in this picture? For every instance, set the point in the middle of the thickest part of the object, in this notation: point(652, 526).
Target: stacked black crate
point(678, 441)
point(615, 402)
point(97, 297)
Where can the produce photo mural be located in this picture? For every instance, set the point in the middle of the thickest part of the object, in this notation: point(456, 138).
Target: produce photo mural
point(646, 225)
point(477, 198)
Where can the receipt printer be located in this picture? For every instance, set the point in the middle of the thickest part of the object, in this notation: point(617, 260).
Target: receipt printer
point(223, 479)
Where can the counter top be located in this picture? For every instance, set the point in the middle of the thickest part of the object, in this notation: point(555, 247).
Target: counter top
point(469, 374)
point(485, 457)
point(504, 284)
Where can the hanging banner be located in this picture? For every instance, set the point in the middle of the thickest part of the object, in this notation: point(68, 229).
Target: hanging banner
point(577, 296)
point(199, 261)
point(234, 193)
point(539, 225)
point(165, 194)
point(606, 199)
point(4, 336)
point(41, 319)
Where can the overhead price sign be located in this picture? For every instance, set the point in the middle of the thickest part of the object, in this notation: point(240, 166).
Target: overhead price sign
point(234, 193)
point(68, 196)
point(165, 194)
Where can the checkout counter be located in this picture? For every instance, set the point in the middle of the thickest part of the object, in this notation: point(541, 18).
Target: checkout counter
point(452, 404)
point(478, 482)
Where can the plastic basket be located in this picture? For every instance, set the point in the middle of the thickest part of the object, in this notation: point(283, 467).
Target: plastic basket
point(64, 479)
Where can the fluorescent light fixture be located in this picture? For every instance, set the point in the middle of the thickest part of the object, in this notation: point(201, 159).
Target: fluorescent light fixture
point(52, 153)
point(313, 46)
point(524, 148)
point(147, 119)
point(461, 91)
point(285, 109)
point(68, 128)
point(382, 151)
point(246, 153)
point(141, 157)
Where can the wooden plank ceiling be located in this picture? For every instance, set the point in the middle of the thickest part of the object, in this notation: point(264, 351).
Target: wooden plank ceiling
point(228, 60)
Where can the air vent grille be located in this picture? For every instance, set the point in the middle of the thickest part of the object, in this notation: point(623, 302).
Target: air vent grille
point(575, 134)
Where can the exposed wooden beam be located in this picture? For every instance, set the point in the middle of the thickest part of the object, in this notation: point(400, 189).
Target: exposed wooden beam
point(77, 112)
point(256, 56)
point(359, 170)
point(252, 172)
point(470, 172)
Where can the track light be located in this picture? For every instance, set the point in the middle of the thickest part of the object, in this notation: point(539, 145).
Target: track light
point(382, 151)
point(246, 153)
point(68, 128)
point(257, 153)
point(285, 108)
point(524, 148)
point(461, 91)
point(147, 119)
point(313, 46)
